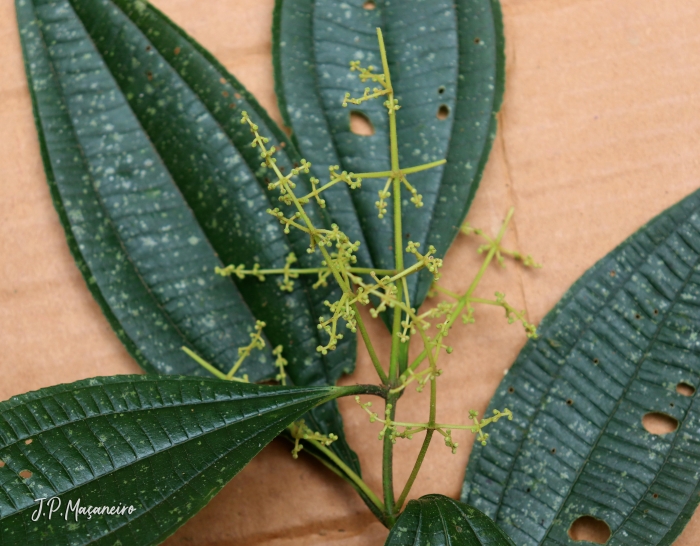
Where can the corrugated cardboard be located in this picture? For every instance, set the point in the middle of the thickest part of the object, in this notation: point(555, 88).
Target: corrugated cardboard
point(599, 132)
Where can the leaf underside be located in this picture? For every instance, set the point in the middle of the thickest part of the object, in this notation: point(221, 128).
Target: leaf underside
point(622, 343)
point(156, 184)
point(165, 445)
point(445, 57)
point(436, 520)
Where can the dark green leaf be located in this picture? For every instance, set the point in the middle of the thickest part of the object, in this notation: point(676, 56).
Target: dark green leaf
point(156, 184)
point(164, 445)
point(436, 520)
point(613, 350)
point(441, 54)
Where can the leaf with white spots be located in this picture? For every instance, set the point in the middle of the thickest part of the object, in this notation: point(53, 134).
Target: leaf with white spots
point(436, 520)
point(605, 402)
point(162, 445)
point(156, 184)
point(448, 70)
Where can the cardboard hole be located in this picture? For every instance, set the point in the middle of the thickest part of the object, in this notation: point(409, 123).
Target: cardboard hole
point(27, 442)
point(26, 474)
point(685, 389)
point(589, 529)
point(2, 463)
point(360, 124)
point(443, 111)
point(177, 51)
point(659, 423)
point(369, 4)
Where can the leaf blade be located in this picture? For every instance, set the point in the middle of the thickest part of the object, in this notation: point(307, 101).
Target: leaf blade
point(611, 351)
point(116, 84)
point(436, 520)
point(164, 445)
point(309, 38)
point(84, 21)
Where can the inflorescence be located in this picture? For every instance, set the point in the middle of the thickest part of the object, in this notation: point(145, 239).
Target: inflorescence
point(377, 289)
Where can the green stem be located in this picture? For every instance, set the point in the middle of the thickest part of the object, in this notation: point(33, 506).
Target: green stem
point(446, 291)
point(403, 355)
point(368, 270)
point(424, 166)
point(396, 190)
point(405, 346)
point(424, 447)
point(204, 364)
point(410, 170)
point(370, 348)
point(388, 467)
point(395, 341)
point(387, 455)
point(352, 390)
point(492, 251)
point(466, 297)
point(416, 468)
point(359, 482)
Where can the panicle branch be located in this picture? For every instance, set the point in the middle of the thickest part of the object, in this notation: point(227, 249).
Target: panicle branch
point(256, 342)
point(300, 431)
point(399, 429)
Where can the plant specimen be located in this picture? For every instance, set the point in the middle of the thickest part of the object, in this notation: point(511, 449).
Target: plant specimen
point(145, 106)
point(390, 291)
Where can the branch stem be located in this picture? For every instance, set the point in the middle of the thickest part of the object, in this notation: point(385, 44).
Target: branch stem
point(388, 467)
point(410, 170)
point(359, 482)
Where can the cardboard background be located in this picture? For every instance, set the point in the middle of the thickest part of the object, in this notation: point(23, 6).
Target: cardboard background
point(598, 133)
